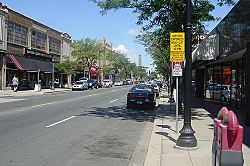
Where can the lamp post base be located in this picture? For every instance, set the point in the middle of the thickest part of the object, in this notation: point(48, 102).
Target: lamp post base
point(187, 139)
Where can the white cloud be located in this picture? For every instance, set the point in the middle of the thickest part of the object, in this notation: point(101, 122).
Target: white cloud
point(133, 32)
point(131, 54)
point(121, 48)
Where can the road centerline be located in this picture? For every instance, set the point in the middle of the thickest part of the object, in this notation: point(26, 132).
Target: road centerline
point(93, 94)
point(41, 105)
point(60, 121)
point(113, 100)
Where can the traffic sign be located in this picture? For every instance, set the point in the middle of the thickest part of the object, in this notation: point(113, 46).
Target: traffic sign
point(177, 56)
point(177, 69)
point(177, 46)
point(177, 41)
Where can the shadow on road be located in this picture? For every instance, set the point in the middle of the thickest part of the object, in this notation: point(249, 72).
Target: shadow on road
point(122, 113)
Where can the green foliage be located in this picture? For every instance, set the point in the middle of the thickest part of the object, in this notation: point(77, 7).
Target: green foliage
point(69, 67)
point(87, 52)
point(160, 17)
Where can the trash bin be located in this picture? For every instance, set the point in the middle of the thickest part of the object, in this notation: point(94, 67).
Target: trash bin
point(37, 88)
point(229, 142)
point(222, 113)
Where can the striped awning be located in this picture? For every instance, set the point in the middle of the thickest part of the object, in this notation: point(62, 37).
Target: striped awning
point(22, 63)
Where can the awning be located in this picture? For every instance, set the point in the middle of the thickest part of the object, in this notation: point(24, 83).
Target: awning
point(22, 63)
point(43, 65)
point(208, 49)
point(231, 57)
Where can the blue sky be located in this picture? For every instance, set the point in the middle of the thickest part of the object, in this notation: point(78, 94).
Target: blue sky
point(82, 19)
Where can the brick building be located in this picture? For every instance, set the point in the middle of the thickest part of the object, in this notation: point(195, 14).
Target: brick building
point(28, 50)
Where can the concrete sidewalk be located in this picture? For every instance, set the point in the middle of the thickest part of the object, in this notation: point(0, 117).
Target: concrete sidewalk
point(161, 150)
point(10, 93)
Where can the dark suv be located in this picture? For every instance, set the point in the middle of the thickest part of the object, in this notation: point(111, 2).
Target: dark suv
point(92, 83)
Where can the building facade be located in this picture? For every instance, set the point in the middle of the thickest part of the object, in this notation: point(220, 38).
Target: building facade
point(104, 61)
point(220, 62)
point(29, 50)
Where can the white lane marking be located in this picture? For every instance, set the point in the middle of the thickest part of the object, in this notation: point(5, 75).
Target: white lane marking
point(60, 121)
point(113, 100)
point(93, 94)
point(113, 90)
point(5, 100)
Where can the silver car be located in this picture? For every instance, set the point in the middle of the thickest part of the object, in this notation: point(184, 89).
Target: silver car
point(80, 85)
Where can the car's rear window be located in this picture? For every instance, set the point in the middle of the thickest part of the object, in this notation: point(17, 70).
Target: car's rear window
point(141, 88)
point(79, 82)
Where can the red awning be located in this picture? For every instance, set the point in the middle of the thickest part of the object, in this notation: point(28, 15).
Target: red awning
point(18, 65)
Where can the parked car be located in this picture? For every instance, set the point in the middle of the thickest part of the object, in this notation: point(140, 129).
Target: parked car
point(221, 92)
point(83, 78)
point(125, 82)
point(107, 83)
point(129, 81)
point(118, 83)
point(80, 85)
point(92, 83)
point(141, 95)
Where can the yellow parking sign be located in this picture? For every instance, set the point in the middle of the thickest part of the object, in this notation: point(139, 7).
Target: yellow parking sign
point(177, 56)
point(177, 46)
point(177, 41)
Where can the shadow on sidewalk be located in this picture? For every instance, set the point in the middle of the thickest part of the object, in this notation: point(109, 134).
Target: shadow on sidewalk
point(166, 135)
point(213, 109)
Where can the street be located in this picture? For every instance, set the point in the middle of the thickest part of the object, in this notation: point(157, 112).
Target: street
point(86, 128)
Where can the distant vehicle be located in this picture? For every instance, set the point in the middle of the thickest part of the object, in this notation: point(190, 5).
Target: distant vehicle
point(92, 83)
point(156, 89)
point(125, 82)
point(129, 81)
point(118, 83)
point(141, 95)
point(83, 78)
point(107, 83)
point(159, 83)
point(80, 85)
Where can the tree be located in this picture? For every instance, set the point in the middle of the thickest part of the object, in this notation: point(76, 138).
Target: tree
point(68, 67)
point(163, 17)
point(87, 52)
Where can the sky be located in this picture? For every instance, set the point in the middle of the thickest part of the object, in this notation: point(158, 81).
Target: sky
point(82, 19)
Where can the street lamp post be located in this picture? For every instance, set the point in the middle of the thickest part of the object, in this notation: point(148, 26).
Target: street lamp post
point(53, 74)
point(187, 138)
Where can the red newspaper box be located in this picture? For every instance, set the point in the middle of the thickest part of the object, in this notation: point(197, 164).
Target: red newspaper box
point(229, 142)
point(222, 113)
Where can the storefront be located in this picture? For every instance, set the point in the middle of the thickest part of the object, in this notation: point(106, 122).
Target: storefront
point(27, 71)
point(220, 62)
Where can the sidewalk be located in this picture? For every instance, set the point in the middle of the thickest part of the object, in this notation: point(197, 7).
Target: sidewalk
point(161, 150)
point(10, 93)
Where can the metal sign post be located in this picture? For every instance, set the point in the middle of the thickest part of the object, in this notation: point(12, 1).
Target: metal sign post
point(176, 107)
point(177, 72)
point(177, 56)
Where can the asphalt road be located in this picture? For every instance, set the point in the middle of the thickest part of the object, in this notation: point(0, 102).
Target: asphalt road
point(86, 128)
